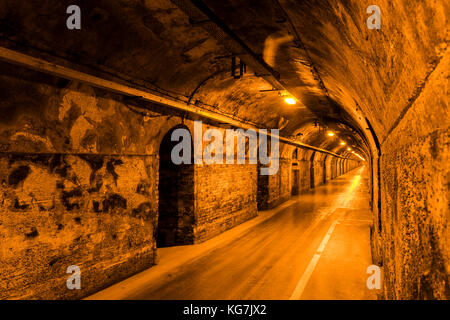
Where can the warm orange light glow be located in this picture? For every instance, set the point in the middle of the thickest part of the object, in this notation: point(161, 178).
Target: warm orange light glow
point(349, 149)
point(290, 101)
point(331, 134)
point(342, 143)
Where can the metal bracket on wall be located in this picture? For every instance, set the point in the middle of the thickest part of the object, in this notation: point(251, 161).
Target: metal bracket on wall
point(242, 68)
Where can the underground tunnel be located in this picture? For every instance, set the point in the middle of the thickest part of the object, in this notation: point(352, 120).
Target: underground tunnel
point(206, 149)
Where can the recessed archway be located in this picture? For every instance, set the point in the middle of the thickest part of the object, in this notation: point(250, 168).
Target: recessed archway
point(295, 185)
point(176, 197)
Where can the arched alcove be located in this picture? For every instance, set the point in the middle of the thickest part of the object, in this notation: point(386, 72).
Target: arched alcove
point(176, 196)
point(295, 185)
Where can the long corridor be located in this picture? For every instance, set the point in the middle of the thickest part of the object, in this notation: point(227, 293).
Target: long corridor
point(287, 256)
point(210, 149)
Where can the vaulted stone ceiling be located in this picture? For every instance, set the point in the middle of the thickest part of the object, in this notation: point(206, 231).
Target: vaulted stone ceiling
point(355, 81)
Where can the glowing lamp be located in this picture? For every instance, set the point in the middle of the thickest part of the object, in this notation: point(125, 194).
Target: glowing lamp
point(290, 101)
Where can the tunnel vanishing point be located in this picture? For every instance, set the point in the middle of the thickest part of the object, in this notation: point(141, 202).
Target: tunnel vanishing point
point(87, 115)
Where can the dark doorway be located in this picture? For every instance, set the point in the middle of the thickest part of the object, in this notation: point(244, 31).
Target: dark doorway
point(176, 197)
point(295, 173)
point(295, 178)
point(311, 172)
point(262, 196)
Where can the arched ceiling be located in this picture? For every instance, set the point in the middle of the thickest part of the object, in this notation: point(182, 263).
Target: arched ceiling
point(346, 78)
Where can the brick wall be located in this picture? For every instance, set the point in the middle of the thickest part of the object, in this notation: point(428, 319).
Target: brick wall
point(319, 172)
point(275, 189)
point(225, 196)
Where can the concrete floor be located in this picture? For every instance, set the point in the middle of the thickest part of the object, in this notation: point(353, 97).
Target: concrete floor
point(315, 246)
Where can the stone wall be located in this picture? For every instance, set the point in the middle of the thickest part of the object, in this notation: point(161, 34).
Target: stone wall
point(95, 212)
point(77, 170)
point(413, 239)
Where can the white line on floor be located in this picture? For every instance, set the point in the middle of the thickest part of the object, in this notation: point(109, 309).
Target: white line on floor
point(312, 265)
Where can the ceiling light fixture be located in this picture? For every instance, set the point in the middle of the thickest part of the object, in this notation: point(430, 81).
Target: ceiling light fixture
point(330, 133)
point(290, 101)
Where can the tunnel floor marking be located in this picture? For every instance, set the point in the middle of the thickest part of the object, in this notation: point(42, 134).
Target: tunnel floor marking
point(301, 285)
